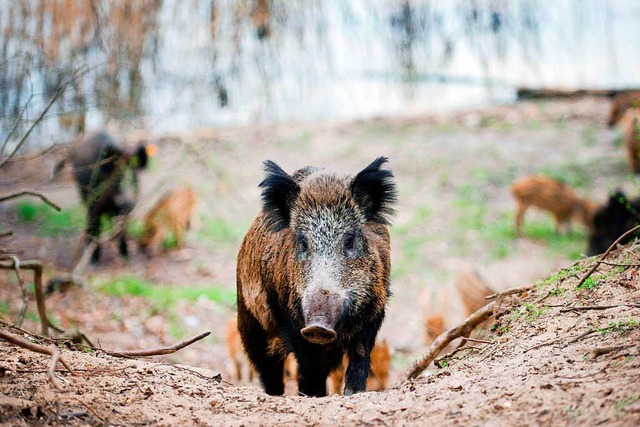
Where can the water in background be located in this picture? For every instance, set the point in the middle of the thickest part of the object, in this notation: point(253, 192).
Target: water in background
point(168, 65)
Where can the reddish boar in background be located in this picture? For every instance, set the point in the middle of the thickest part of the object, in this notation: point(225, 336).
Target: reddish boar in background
point(313, 274)
point(553, 196)
point(630, 123)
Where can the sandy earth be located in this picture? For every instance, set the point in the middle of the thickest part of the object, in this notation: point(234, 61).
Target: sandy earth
point(535, 371)
point(454, 213)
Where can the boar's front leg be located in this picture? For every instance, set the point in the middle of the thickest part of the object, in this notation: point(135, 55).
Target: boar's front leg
point(314, 366)
point(360, 360)
point(270, 367)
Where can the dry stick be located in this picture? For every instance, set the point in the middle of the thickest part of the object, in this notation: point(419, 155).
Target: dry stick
point(444, 339)
point(154, 352)
point(438, 361)
point(36, 266)
point(31, 193)
point(597, 307)
point(52, 101)
point(54, 353)
point(599, 351)
point(23, 289)
point(579, 337)
point(605, 254)
point(508, 292)
point(16, 124)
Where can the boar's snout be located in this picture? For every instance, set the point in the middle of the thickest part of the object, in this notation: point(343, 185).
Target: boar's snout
point(318, 334)
point(321, 314)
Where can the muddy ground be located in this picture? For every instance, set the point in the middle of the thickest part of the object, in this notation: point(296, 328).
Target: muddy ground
point(454, 213)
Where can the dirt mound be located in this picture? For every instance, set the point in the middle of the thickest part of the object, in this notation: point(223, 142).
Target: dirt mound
point(558, 355)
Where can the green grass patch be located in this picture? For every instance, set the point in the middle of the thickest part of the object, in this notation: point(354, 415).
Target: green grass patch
point(165, 296)
point(51, 223)
point(557, 278)
point(621, 404)
point(219, 231)
point(621, 327)
point(532, 312)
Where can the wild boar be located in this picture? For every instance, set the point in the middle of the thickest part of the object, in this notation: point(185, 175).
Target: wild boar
point(100, 165)
point(313, 274)
point(472, 289)
point(611, 221)
point(241, 367)
point(620, 103)
point(553, 196)
point(378, 373)
point(630, 124)
point(171, 214)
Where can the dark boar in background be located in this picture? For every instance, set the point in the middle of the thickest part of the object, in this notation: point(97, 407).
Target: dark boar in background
point(611, 221)
point(99, 168)
point(313, 274)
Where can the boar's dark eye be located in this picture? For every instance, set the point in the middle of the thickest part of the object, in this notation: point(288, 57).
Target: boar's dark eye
point(350, 245)
point(302, 246)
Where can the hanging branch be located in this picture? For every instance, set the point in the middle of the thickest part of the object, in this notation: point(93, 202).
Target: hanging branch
point(77, 73)
point(31, 193)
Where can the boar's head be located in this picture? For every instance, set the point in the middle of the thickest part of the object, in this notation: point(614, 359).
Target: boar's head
point(339, 243)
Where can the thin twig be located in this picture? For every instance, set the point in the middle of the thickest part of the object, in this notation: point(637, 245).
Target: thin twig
point(597, 307)
point(477, 340)
point(579, 337)
point(154, 352)
point(16, 124)
point(53, 99)
point(605, 254)
point(508, 292)
point(438, 361)
point(36, 266)
point(30, 193)
point(542, 344)
point(23, 289)
point(614, 264)
point(54, 353)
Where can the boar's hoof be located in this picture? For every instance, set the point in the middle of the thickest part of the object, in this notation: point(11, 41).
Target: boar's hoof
point(318, 334)
point(348, 391)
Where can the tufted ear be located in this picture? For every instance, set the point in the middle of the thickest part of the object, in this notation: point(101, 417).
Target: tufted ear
point(375, 191)
point(279, 192)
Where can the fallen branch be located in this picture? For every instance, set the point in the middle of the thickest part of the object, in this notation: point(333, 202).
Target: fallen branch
point(462, 330)
point(599, 351)
point(597, 307)
point(37, 348)
point(605, 254)
point(31, 193)
point(508, 292)
point(154, 352)
point(438, 361)
point(579, 337)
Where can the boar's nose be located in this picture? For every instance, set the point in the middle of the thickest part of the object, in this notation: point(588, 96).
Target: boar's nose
point(318, 334)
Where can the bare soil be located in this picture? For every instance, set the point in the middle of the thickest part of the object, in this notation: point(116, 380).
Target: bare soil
point(454, 213)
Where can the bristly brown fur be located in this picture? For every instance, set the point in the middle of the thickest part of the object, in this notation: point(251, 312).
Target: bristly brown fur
point(630, 124)
point(171, 214)
point(620, 103)
point(306, 219)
